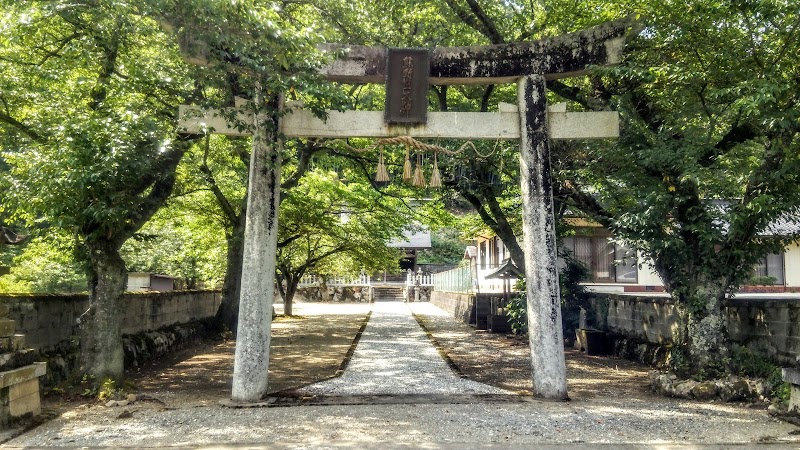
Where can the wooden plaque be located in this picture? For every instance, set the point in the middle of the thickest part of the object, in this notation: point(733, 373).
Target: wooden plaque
point(407, 73)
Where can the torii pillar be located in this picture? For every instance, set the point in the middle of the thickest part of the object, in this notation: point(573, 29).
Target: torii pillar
point(539, 243)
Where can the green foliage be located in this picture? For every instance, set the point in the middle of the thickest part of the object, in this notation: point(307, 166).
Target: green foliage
point(746, 362)
point(711, 146)
point(182, 240)
point(447, 248)
point(337, 228)
point(47, 264)
point(762, 281)
point(517, 310)
point(679, 360)
point(104, 389)
point(574, 296)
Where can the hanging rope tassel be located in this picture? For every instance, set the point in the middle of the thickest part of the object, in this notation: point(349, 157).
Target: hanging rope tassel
point(381, 176)
point(407, 166)
point(436, 176)
point(419, 177)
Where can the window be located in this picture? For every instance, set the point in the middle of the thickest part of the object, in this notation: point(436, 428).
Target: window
point(482, 254)
point(771, 266)
point(608, 262)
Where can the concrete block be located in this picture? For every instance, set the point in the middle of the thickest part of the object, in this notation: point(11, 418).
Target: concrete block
point(3, 310)
point(5, 344)
point(24, 389)
point(30, 404)
point(16, 376)
point(17, 342)
point(794, 399)
point(7, 327)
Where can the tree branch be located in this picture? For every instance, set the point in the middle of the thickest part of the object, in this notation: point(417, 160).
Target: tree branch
point(161, 189)
point(24, 129)
point(226, 206)
point(470, 20)
point(490, 29)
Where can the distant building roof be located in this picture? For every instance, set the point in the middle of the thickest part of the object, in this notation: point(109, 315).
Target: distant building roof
point(413, 239)
point(783, 226)
point(470, 252)
point(506, 271)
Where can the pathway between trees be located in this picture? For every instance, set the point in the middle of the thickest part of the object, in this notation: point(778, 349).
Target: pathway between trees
point(395, 357)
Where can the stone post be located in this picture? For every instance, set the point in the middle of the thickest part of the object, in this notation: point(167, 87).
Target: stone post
point(251, 362)
point(538, 228)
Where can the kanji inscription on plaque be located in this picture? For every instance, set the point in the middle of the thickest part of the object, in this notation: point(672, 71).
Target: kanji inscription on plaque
point(407, 85)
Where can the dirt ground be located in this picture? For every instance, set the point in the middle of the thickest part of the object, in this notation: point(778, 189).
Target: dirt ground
point(504, 361)
point(310, 348)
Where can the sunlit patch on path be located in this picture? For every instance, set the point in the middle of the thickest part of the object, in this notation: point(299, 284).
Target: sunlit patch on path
point(395, 357)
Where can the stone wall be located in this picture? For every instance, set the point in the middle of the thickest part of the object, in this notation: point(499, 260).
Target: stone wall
point(770, 326)
point(462, 306)
point(335, 294)
point(458, 304)
point(50, 321)
point(424, 293)
point(648, 318)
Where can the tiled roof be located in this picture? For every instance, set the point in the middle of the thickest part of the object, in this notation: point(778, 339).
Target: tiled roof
point(787, 225)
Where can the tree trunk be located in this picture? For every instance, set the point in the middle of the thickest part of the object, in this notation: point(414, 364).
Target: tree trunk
point(228, 312)
point(101, 335)
point(706, 334)
point(288, 296)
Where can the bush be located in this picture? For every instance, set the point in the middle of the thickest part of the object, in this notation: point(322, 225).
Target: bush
point(574, 296)
point(762, 281)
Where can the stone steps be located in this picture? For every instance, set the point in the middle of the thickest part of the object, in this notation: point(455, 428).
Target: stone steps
point(387, 293)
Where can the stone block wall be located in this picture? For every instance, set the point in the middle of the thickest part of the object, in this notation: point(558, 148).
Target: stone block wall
point(462, 306)
point(334, 294)
point(19, 374)
point(50, 321)
point(769, 326)
point(153, 310)
point(649, 318)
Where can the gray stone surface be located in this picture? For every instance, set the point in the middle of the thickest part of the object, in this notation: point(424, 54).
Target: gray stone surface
point(539, 243)
point(395, 357)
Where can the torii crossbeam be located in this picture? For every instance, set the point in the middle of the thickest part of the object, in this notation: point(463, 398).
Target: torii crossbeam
point(529, 65)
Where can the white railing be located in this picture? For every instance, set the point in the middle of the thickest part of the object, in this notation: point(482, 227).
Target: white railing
point(460, 279)
point(463, 279)
point(454, 280)
point(316, 280)
point(419, 279)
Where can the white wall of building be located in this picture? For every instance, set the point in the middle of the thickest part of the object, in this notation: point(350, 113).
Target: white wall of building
point(647, 273)
point(791, 262)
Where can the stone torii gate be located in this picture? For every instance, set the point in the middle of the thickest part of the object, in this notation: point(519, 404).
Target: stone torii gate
point(530, 65)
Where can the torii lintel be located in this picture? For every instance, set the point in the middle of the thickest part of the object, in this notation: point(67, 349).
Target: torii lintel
point(555, 57)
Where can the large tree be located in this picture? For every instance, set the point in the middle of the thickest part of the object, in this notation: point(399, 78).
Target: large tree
point(336, 227)
point(88, 116)
point(708, 157)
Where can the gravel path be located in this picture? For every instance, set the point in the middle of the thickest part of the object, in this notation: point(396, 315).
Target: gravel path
point(395, 357)
point(610, 420)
